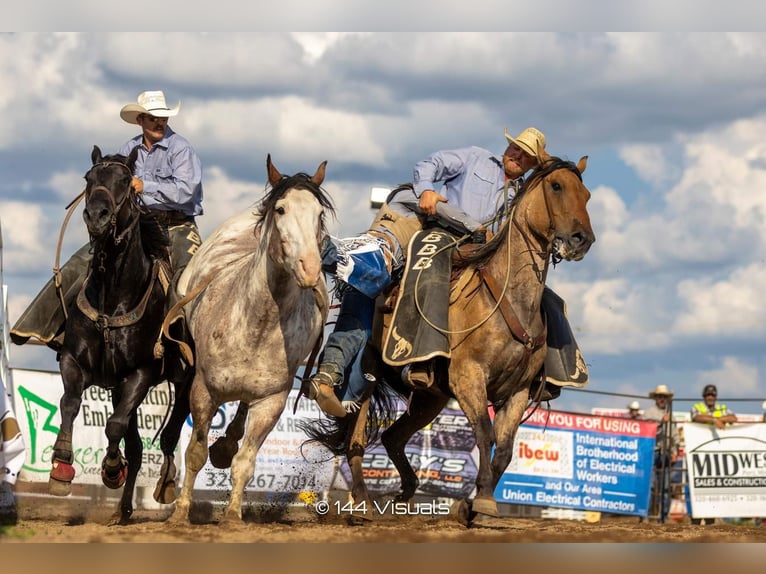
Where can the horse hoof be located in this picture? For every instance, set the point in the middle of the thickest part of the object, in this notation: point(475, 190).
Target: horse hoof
point(485, 505)
point(59, 487)
point(231, 519)
point(114, 481)
point(222, 452)
point(165, 493)
point(460, 511)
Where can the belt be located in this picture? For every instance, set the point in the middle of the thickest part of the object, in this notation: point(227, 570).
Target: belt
point(172, 217)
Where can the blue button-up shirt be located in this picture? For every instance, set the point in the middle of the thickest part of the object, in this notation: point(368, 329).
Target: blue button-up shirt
point(473, 178)
point(171, 172)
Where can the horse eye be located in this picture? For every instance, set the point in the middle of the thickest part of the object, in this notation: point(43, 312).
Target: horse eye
point(556, 186)
point(280, 210)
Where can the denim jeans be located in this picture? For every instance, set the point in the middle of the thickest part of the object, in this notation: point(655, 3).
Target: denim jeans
point(352, 329)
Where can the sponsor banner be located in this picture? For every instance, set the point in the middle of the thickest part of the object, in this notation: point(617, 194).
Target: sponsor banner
point(37, 395)
point(582, 462)
point(283, 464)
point(442, 455)
point(727, 470)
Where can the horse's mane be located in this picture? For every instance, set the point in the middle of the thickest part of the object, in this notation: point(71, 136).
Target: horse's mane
point(154, 239)
point(480, 257)
point(299, 181)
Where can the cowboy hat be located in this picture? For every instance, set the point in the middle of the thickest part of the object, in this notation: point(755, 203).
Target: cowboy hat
point(152, 103)
point(634, 406)
point(661, 391)
point(531, 141)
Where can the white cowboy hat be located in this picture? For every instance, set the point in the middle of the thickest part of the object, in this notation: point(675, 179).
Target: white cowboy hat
point(634, 406)
point(661, 391)
point(152, 103)
point(531, 140)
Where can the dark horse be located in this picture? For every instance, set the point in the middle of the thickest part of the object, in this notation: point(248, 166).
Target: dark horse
point(111, 331)
point(497, 337)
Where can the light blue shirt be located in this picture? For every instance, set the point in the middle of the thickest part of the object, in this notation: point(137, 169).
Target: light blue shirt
point(171, 172)
point(473, 180)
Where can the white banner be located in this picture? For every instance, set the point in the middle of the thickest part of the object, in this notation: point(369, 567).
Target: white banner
point(727, 470)
point(37, 395)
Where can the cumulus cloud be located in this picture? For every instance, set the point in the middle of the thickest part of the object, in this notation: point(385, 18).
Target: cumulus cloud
point(733, 377)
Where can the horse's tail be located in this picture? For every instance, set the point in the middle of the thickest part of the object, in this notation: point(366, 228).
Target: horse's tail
point(335, 433)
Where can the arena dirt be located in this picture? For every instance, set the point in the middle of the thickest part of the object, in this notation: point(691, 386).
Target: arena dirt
point(49, 520)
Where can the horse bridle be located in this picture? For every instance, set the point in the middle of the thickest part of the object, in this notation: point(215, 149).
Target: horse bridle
point(116, 206)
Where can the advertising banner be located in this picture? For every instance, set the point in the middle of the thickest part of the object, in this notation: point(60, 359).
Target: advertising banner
point(441, 454)
point(37, 395)
point(582, 462)
point(727, 470)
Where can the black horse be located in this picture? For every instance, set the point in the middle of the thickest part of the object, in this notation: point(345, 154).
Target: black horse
point(111, 332)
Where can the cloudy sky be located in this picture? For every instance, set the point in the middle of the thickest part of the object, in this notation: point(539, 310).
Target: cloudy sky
point(673, 124)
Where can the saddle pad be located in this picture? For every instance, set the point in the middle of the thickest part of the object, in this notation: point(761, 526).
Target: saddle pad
point(426, 275)
point(564, 363)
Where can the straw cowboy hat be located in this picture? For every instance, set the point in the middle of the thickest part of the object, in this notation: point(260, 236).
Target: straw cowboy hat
point(661, 391)
point(531, 140)
point(152, 103)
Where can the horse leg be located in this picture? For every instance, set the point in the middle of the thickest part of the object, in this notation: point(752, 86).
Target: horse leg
point(473, 400)
point(355, 454)
point(507, 420)
point(133, 452)
point(203, 408)
point(423, 409)
point(263, 416)
point(165, 490)
point(226, 446)
point(116, 470)
point(62, 473)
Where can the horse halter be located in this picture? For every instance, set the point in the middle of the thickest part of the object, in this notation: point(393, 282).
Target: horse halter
point(116, 206)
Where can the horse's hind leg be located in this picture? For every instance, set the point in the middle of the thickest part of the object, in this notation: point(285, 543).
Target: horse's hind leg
point(423, 409)
point(62, 473)
point(202, 408)
point(355, 454)
point(165, 491)
point(226, 446)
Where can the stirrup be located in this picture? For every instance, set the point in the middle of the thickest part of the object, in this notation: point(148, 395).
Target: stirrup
point(419, 375)
point(321, 390)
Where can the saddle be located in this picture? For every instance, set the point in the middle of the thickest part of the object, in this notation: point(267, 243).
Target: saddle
point(408, 338)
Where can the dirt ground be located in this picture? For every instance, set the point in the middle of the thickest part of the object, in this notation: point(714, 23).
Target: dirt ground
point(62, 520)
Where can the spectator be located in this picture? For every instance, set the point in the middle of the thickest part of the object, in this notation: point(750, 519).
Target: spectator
point(710, 411)
point(666, 444)
point(634, 411)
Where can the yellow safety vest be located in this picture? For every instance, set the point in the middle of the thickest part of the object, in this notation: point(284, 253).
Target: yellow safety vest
point(720, 410)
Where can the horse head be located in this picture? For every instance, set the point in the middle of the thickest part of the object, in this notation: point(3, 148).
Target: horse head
point(107, 191)
point(293, 216)
point(560, 216)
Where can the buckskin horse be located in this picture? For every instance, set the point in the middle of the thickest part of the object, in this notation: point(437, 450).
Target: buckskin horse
point(111, 331)
point(497, 338)
point(256, 303)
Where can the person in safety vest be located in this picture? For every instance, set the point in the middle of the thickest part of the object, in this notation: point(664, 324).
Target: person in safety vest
point(711, 412)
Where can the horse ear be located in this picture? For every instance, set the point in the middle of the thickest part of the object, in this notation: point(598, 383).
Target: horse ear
point(95, 155)
point(318, 177)
point(582, 164)
point(132, 156)
point(542, 156)
point(273, 172)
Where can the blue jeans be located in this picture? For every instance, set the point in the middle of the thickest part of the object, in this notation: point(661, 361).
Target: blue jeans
point(352, 329)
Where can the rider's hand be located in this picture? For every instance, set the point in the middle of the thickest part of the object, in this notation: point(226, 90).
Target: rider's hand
point(137, 185)
point(428, 201)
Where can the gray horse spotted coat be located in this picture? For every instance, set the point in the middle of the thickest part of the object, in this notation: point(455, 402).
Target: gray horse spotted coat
point(257, 319)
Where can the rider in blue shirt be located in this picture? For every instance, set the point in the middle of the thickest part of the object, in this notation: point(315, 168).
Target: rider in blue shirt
point(476, 184)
